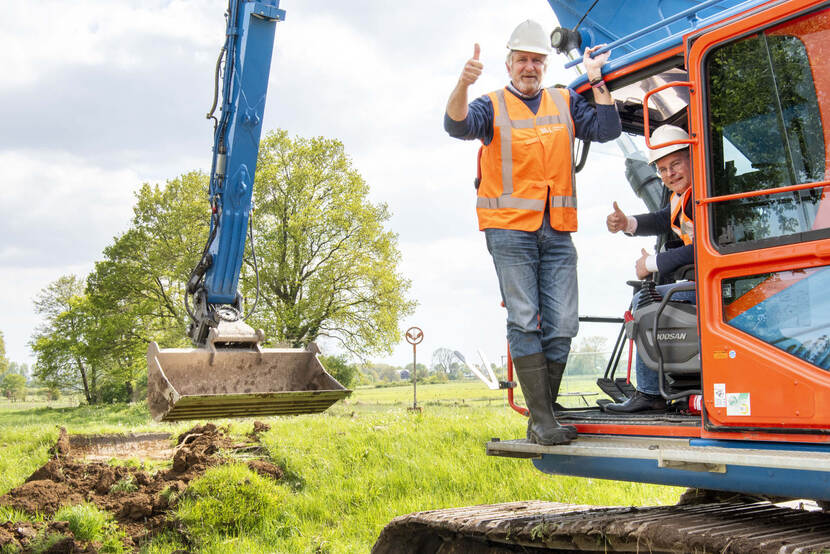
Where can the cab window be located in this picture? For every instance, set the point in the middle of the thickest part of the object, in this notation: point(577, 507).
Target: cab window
point(767, 97)
point(787, 309)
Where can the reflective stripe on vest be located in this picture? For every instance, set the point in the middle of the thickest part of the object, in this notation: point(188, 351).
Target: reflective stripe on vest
point(682, 224)
point(503, 167)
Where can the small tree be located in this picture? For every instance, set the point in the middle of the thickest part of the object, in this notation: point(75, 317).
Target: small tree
point(340, 369)
point(13, 386)
point(389, 373)
point(4, 362)
point(443, 360)
point(588, 357)
point(60, 343)
point(20, 369)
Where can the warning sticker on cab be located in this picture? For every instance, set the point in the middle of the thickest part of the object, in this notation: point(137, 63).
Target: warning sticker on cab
point(720, 395)
point(737, 404)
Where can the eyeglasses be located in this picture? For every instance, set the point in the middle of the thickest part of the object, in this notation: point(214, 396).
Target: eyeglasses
point(673, 167)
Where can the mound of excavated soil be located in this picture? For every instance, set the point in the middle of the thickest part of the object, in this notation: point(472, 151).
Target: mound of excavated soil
point(138, 501)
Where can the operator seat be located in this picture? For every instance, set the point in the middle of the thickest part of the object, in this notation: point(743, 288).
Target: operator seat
point(672, 345)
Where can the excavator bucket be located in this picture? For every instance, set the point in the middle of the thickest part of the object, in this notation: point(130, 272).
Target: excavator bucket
point(211, 382)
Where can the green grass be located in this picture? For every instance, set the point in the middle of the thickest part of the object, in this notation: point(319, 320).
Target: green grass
point(359, 472)
point(13, 514)
point(39, 402)
point(348, 471)
point(44, 541)
point(231, 501)
point(124, 485)
point(86, 521)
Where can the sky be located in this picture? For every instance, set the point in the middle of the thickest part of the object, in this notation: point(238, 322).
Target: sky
point(99, 97)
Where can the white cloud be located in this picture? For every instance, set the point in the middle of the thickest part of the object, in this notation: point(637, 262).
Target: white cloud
point(57, 209)
point(47, 35)
point(99, 96)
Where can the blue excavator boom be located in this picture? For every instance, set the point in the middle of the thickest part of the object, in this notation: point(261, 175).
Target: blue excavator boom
point(228, 373)
point(249, 42)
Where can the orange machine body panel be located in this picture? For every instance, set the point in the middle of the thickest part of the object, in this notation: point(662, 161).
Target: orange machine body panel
point(754, 389)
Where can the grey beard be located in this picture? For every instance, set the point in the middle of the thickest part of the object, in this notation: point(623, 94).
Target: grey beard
point(512, 88)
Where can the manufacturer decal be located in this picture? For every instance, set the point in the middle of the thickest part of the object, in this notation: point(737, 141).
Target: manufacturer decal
point(671, 336)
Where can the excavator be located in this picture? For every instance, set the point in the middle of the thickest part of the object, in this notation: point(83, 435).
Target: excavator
point(228, 373)
point(746, 372)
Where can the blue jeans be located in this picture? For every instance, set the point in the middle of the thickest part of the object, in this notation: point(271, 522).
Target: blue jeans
point(647, 378)
point(537, 278)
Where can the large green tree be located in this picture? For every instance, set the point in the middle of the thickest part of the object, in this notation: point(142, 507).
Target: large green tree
point(327, 268)
point(137, 289)
point(327, 265)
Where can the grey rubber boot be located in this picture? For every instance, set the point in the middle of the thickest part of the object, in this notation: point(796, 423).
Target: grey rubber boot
point(543, 428)
point(555, 372)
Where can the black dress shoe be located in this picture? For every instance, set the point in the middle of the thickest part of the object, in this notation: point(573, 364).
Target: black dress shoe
point(639, 403)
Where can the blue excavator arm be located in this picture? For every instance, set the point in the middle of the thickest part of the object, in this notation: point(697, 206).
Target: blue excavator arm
point(229, 373)
point(246, 59)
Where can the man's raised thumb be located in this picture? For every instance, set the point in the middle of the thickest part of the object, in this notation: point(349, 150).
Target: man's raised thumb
point(476, 51)
point(644, 251)
point(616, 208)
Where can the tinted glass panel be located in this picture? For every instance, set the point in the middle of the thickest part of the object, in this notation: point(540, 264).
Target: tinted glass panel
point(765, 125)
point(787, 309)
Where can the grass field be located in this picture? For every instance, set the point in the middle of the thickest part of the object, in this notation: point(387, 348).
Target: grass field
point(348, 471)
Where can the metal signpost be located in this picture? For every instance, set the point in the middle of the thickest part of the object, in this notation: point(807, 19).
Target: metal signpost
point(414, 336)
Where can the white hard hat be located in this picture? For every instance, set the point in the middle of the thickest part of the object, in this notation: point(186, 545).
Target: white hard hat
point(529, 36)
point(662, 135)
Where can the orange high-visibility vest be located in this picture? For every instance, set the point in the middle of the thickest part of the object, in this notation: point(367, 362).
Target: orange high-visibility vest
point(682, 224)
point(528, 162)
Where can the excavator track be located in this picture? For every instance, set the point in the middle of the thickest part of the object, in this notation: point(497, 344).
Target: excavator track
point(537, 526)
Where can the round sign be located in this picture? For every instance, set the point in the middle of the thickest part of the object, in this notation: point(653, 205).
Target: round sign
point(414, 335)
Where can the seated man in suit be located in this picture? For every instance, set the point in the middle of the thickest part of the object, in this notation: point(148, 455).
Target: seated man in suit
point(673, 164)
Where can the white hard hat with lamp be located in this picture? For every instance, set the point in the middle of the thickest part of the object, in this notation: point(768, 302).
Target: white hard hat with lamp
point(529, 36)
point(662, 135)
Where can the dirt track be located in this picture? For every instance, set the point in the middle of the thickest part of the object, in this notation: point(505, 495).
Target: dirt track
point(139, 501)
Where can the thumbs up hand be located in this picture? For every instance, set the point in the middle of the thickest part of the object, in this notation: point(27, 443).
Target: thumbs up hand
point(640, 265)
point(616, 220)
point(473, 67)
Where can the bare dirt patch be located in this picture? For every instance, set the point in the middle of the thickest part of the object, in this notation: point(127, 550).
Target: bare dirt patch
point(143, 446)
point(139, 501)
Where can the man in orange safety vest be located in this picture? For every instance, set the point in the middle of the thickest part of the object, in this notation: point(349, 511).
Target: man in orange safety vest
point(526, 205)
